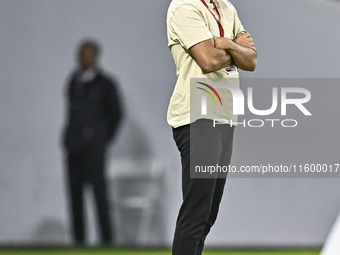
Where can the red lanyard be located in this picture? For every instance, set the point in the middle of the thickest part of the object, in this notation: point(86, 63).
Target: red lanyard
point(219, 16)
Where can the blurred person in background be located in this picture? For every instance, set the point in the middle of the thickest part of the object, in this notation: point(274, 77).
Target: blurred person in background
point(94, 112)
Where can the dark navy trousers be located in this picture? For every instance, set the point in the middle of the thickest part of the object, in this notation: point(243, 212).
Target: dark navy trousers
point(200, 143)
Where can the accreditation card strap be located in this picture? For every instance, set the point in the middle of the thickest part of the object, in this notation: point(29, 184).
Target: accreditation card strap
point(219, 16)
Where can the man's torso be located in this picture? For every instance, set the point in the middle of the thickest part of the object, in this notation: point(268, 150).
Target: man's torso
point(188, 23)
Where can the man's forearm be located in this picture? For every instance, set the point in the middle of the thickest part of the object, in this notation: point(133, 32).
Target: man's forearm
point(221, 60)
point(243, 57)
point(210, 58)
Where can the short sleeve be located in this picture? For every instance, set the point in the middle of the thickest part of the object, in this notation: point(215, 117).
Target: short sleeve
point(188, 26)
point(238, 28)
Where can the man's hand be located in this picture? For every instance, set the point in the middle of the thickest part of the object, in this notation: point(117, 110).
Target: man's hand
point(245, 40)
point(222, 43)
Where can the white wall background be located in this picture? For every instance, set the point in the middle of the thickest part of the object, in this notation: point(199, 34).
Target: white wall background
point(294, 38)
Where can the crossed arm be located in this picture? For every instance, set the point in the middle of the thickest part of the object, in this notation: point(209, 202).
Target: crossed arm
point(214, 54)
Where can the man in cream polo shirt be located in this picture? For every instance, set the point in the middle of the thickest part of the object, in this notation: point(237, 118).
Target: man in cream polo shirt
point(207, 41)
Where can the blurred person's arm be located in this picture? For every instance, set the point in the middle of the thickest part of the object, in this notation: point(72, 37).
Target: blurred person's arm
point(114, 109)
point(67, 95)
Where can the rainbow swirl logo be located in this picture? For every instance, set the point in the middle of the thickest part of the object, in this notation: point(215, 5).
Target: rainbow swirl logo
point(209, 93)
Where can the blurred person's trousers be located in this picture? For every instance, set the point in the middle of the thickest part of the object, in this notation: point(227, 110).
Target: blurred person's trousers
point(88, 168)
point(201, 196)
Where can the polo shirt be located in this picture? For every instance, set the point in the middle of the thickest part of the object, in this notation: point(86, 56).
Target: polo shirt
point(189, 22)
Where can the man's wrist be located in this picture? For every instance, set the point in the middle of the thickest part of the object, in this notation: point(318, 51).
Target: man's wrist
point(230, 45)
point(223, 43)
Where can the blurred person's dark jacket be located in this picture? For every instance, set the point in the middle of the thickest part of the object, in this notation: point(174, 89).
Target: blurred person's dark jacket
point(94, 113)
